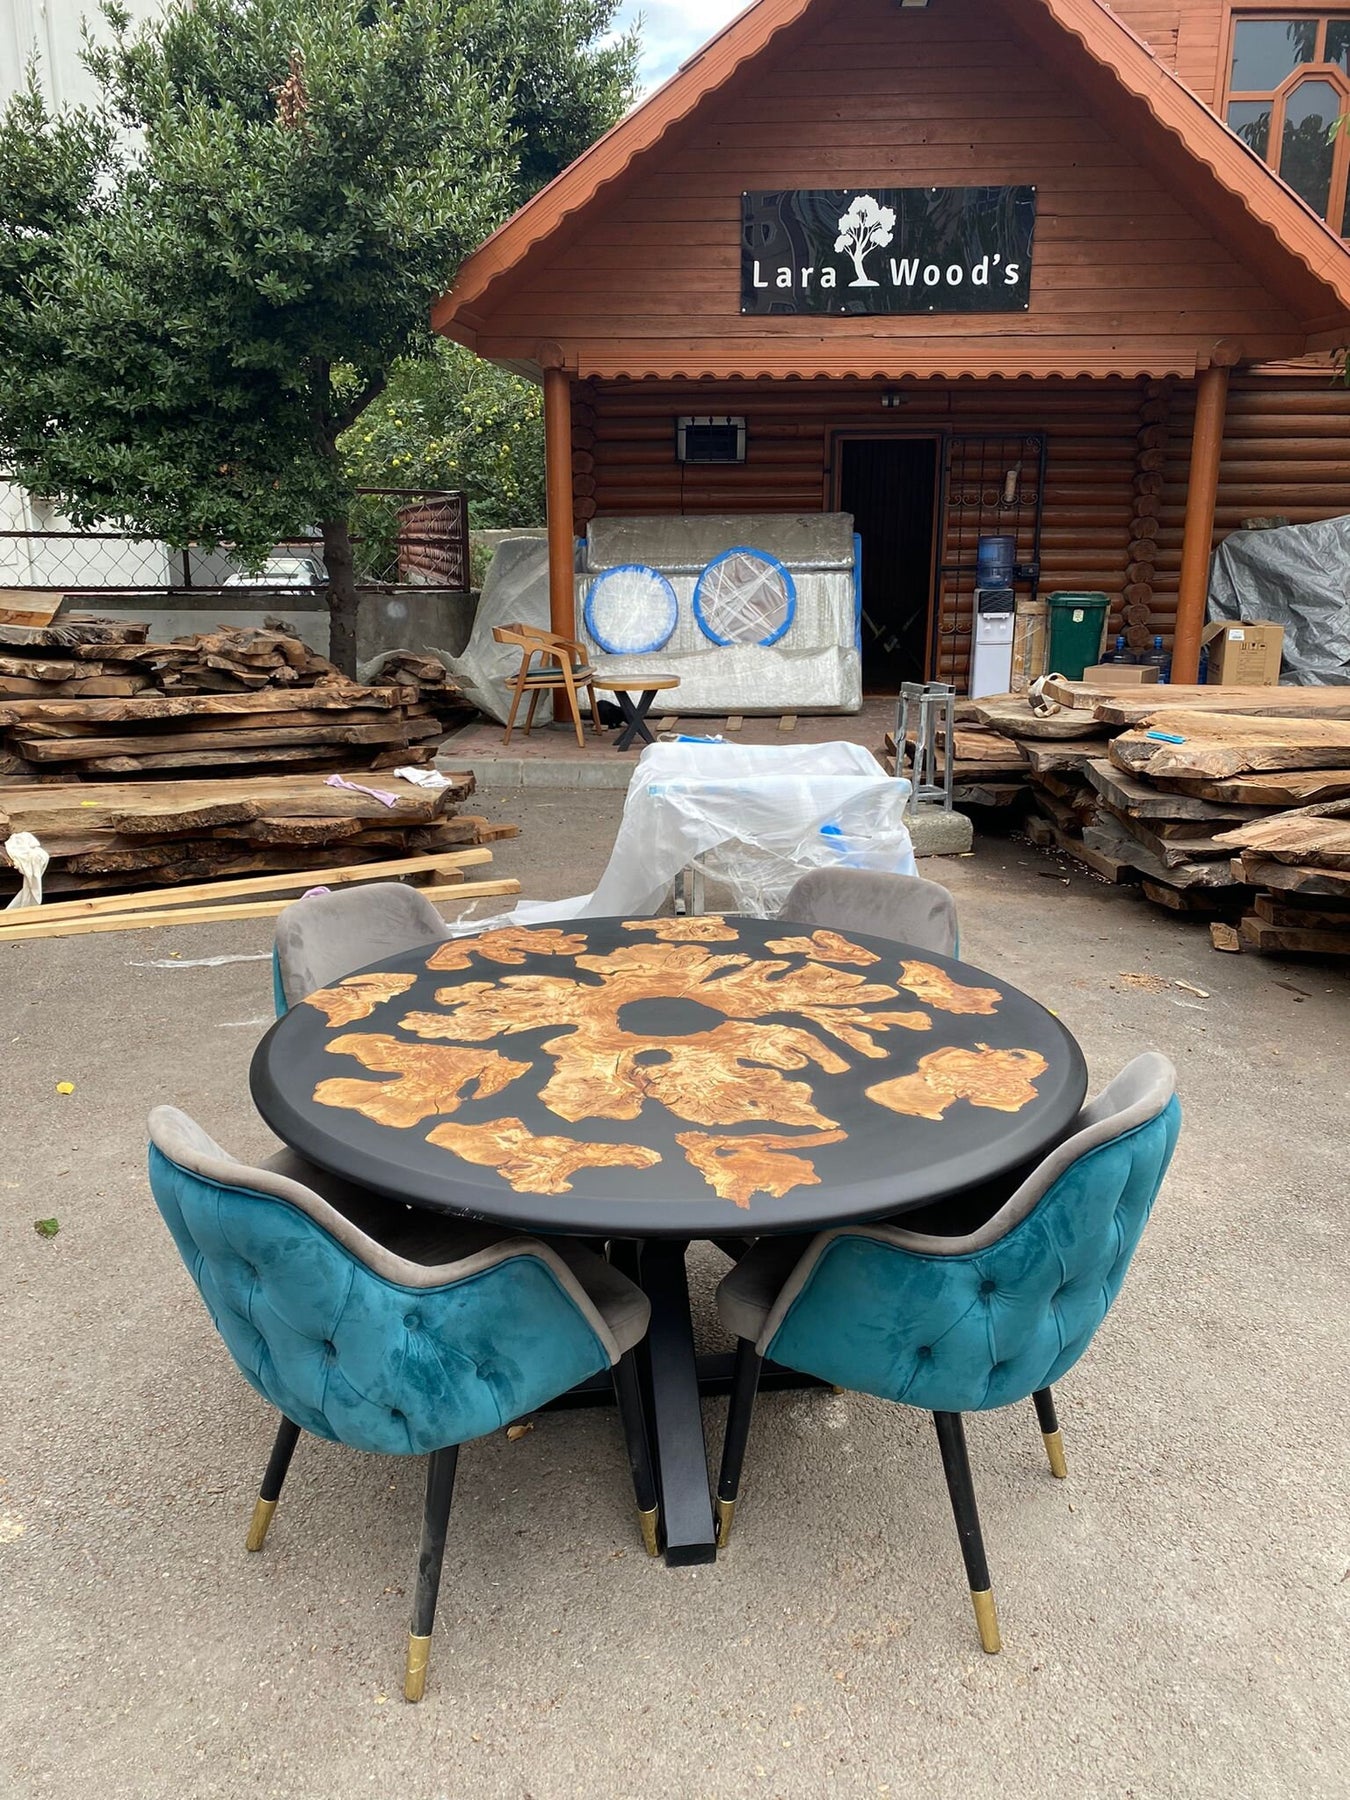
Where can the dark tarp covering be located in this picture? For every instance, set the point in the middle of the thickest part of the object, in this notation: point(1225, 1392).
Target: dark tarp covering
point(1297, 576)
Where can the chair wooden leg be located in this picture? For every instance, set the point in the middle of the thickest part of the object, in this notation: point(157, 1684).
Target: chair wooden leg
point(571, 687)
point(435, 1523)
point(596, 726)
point(956, 1467)
point(1049, 1422)
point(515, 707)
point(269, 1493)
point(529, 717)
point(628, 1394)
point(740, 1411)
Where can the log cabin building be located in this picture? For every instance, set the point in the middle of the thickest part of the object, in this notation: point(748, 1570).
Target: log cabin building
point(1080, 293)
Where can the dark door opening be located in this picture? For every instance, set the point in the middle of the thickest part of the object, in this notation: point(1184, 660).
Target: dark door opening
point(889, 484)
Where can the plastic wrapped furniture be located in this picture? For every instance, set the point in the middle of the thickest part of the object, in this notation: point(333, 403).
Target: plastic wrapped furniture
point(400, 1332)
point(904, 907)
point(322, 937)
point(962, 1323)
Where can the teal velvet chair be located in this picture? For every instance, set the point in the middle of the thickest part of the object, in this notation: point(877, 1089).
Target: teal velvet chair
point(961, 1323)
point(390, 1329)
point(907, 908)
point(322, 937)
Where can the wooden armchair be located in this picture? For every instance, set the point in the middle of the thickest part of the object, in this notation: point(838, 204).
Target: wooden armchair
point(562, 666)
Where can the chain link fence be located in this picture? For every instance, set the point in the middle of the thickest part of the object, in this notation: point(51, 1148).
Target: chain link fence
point(401, 537)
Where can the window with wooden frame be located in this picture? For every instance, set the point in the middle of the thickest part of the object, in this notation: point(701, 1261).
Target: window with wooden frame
point(1288, 98)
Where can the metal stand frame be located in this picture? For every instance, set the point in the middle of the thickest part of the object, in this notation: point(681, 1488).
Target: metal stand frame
point(929, 707)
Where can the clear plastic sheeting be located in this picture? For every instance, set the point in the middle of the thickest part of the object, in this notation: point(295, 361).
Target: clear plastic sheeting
point(744, 597)
point(752, 817)
point(813, 664)
point(630, 610)
point(1297, 576)
point(515, 593)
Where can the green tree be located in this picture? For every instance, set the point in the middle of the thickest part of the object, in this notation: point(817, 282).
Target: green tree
point(448, 420)
point(207, 280)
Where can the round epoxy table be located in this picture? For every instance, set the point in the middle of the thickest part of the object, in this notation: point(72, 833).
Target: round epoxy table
point(653, 1081)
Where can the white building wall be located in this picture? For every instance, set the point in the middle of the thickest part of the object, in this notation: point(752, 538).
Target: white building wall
point(52, 31)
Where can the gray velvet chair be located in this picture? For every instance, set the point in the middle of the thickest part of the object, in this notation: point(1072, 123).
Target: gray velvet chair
point(961, 1322)
point(904, 907)
point(389, 1329)
point(323, 937)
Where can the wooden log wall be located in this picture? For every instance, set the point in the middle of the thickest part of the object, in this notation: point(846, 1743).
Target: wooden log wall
point(624, 440)
point(1286, 453)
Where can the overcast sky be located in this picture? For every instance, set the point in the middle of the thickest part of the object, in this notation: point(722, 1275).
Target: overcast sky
point(674, 29)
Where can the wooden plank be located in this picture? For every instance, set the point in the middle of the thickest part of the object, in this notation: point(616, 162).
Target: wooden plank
point(1202, 901)
point(206, 915)
point(54, 730)
point(1331, 916)
point(1145, 801)
point(190, 706)
point(1308, 837)
point(86, 686)
point(158, 807)
point(63, 632)
point(1290, 878)
point(1015, 719)
point(394, 729)
point(1064, 758)
point(1284, 940)
point(1172, 853)
point(1219, 747)
point(149, 899)
point(1289, 787)
point(1130, 706)
point(1108, 838)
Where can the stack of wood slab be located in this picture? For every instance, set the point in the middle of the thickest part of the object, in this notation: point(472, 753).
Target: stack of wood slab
point(213, 844)
point(89, 698)
point(1232, 802)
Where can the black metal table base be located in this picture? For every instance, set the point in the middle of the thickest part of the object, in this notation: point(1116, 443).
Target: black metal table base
point(634, 716)
point(675, 1379)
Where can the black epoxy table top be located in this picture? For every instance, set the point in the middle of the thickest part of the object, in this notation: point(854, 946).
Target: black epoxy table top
point(689, 1077)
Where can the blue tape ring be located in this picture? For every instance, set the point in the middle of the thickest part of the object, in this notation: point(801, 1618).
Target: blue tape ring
point(662, 588)
point(763, 556)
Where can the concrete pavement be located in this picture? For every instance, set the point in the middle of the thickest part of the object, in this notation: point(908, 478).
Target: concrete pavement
point(1174, 1615)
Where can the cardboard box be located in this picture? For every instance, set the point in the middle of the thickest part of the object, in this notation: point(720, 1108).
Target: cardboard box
point(1246, 655)
point(1121, 674)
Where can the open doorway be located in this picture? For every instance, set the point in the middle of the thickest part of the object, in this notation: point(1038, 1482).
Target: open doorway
point(889, 484)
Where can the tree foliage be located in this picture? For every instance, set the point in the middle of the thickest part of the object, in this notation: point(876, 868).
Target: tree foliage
point(450, 420)
point(207, 280)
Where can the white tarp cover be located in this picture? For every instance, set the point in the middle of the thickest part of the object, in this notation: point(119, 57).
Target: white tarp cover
point(754, 816)
point(1297, 576)
point(514, 593)
point(687, 541)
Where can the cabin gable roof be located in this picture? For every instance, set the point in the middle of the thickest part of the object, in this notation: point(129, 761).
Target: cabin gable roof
point(1163, 241)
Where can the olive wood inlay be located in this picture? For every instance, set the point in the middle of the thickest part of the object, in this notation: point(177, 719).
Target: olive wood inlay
point(936, 988)
point(759, 1163)
point(428, 1078)
point(1001, 1079)
point(824, 946)
point(536, 1165)
point(356, 996)
point(509, 944)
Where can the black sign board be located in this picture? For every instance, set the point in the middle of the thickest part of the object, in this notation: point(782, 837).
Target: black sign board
point(887, 250)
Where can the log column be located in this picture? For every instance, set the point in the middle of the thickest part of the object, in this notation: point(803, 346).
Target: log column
point(558, 490)
point(1211, 403)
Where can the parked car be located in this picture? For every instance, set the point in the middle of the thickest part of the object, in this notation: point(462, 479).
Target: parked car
point(284, 571)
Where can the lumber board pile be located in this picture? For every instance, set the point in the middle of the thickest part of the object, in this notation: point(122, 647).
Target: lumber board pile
point(115, 836)
point(89, 699)
point(1229, 803)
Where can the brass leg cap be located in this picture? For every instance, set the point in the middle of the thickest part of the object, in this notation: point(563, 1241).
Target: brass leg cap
point(1054, 1449)
point(986, 1618)
point(649, 1522)
point(415, 1675)
point(257, 1525)
point(726, 1512)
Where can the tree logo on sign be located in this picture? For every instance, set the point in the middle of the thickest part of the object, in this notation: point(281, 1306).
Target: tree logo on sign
point(863, 228)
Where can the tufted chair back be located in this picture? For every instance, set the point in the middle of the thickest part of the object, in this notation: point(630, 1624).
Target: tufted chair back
point(904, 907)
point(322, 937)
point(353, 1341)
point(964, 1324)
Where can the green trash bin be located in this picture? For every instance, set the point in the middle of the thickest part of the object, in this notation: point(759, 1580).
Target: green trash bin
point(1077, 627)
